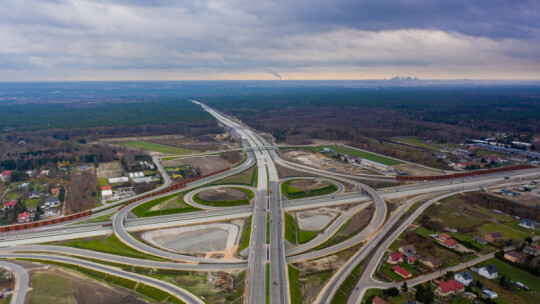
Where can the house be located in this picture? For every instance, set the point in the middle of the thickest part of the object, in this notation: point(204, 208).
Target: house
point(52, 202)
point(489, 271)
point(24, 217)
point(464, 165)
point(378, 300)
point(407, 250)
point(531, 250)
point(55, 191)
point(106, 191)
point(444, 236)
point(5, 176)
point(411, 259)
point(492, 158)
point(449, 288)
point(24, 185)
point(395, 258)
point(402, 272)
point(525, 223)
point(10, 204)
point(512, 256)
point(432, 262)
point(34, 194)
point(450, 243)
point(464, 277)
point(46, 172)
point(480, 240)
point(493, 237)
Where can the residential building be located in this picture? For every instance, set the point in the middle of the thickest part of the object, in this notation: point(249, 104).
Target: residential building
point(5, 176)
point(493, 237)
point(106, 191)
point(449, 288)
point(513, 256)
point(407, 250)
point(378, 300)
point(480, 240)
point(402, 272)
point(10, 204)
point(52, 202)
point(531, 251)
point(488, 271)
point(432, 262)
point(525, 223)
point(395, 258)
point(24, 217)
point(411, 259)
point(450, 243)
point(34, 194)
point(464, 277)
point(444, 236)
point(55, 191)
point(377, 166)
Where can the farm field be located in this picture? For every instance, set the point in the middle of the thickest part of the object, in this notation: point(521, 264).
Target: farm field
point(154, 147)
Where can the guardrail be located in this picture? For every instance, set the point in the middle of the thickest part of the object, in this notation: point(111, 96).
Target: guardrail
point(464, 174)
point(89, 212)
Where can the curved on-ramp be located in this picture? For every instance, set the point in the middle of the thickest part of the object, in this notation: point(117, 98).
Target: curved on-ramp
point(22, 279)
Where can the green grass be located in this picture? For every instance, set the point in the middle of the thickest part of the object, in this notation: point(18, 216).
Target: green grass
point(292, 192)
point(363, 154)
point(305, 236)
point(294, 286)
point(247, 177)
point(372, 292)
point(515, 225)
point(414, 141)
point(246, 234)
point(386, 269)
point(423, 232)
point(345, 289)
point(290, 228)
point(506, 232)
point(103, 181)
point(154, 294)
point(143, 210)
point(268, 228)
point(102, 218)
point(154, 147)
point(225, 203)
point(515, 274)
point(110, 245)
point(267, 283)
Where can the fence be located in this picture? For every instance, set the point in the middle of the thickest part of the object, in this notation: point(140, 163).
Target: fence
point(464, 174)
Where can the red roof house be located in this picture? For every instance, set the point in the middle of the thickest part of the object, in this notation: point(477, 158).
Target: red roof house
point(23, 217)
point(10, 204)
point(402, 272)
point(411, 260)
point(378, 300)
point(445, 236)
point(395, 258)
point(451, 287)
point(450, 243)
point(55, 191)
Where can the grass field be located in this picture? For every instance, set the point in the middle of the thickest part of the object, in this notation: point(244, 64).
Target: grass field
point(290, 228)
point(110, 244)
point(292, 192)
point(247, 177)
point(51, 288)
point(294, 286)
point(154, 147)
point(226, 203)
point(414, 141)
point(246, 234)
point(515, 274)
point(506, 232)
point(363, 154)
point(143, 210)
point(342, 294)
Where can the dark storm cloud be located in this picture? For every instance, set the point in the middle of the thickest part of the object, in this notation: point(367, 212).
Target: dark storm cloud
point(240, 36)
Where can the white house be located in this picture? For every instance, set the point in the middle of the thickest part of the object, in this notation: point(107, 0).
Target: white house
point(118, 180)
point(464, 277)
point(488, 271)
point(52, 202)
point(525, 223)
point(106, 191)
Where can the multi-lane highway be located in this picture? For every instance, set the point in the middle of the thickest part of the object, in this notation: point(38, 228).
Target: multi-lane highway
point(267, 213)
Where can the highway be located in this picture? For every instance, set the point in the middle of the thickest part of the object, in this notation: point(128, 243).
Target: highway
point(22, 279)
point(174, 290)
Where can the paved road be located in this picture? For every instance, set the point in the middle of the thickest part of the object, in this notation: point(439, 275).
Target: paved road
point(22, 279)
point(174, 290)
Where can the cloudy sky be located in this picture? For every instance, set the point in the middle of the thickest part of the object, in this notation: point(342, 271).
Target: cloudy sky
point(259, 39)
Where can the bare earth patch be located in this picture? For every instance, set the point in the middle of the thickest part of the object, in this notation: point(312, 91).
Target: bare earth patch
point(309, 184)
point(110, 169)
point(414, 170)
point(207, 164)
point(223, 194)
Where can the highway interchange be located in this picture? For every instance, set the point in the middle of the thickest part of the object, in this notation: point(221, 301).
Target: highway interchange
point(267, 204)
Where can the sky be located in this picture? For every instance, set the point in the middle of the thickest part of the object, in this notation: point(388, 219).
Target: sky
point(48, 40)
